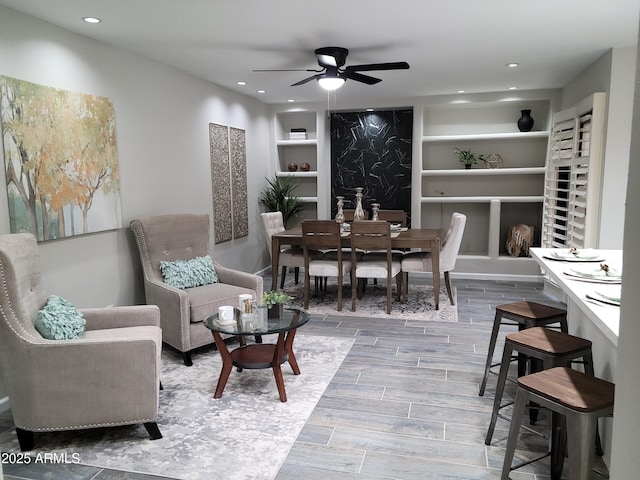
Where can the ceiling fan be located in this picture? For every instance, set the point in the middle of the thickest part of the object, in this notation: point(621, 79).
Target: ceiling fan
point(332, 74)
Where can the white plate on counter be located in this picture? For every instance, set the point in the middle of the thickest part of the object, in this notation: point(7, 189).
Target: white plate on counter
point(594, 273)
point(609, 295)
point(586, 255)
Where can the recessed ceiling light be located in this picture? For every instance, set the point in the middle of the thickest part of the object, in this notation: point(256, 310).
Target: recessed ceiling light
point(91, 19)
point(241, 83)
point(369, 109)
point(262, 91)
point(512, 65)
point(512, 88)
point(462, 91)
point(291, 100)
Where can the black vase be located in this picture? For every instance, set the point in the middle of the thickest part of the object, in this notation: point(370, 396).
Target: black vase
point(525, 122)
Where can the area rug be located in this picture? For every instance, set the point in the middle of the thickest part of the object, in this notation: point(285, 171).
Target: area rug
point(246, 434)
point(419, 305)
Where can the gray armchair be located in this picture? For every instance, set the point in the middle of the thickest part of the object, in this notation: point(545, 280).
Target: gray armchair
point(182, 311)
point(108, 376)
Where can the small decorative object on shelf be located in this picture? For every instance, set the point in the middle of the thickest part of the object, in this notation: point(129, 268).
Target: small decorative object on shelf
point(467, 157)
point(298, 134)
point(519, 239)
point(275, 302)
point(292, 167)
point(358, 213)
point(493, 160)
point(375, 207)
point(340, 212)
point(305, 167)
point(525, 122)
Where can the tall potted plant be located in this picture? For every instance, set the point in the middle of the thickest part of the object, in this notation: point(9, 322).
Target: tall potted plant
point(279, 195)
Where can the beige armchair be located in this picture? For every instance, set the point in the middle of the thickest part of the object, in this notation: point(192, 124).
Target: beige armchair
point(182, 311)
point(108, 376)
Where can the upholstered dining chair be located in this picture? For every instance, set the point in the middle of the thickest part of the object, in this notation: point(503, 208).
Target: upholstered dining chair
point(102, 372)
point(323, 235)
point(373, 237)
point(289, 256)
point(184, 237)
point(420, 262)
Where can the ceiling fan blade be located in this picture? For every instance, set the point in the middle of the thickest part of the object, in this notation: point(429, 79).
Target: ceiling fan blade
point(287, 70)
point(306, 80)
point(378, 66)
point(358, 77)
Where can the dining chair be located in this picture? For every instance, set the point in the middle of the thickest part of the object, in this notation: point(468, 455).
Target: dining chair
point(381, 263)
point(289, 256)
point(393, 216)
point(323, 235)
point(348, 215)
point(420, 262)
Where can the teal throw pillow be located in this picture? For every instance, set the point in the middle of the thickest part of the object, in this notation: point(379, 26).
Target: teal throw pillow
point(59, 320)
point(189, 273)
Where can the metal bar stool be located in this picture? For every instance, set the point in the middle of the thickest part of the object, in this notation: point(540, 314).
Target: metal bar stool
point(525, 315)
point(549, 347)
point(576, 397)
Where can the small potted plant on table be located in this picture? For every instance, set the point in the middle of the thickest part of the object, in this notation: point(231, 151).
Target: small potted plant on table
point(468, 158)
point(275, 302)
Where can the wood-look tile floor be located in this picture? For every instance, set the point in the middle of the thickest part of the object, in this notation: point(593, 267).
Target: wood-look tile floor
point(403, 405)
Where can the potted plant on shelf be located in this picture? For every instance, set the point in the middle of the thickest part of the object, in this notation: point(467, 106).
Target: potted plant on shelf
point(278, 195)
point(468, 158)
point(275, 302)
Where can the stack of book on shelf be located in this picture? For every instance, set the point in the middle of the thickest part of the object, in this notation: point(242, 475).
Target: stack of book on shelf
point(298, 134)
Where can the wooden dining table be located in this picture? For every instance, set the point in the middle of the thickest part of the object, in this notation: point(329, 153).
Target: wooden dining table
point(422, 238)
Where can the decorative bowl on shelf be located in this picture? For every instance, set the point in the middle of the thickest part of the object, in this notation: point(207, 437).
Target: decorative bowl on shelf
point(292, 167)
point(305, 167)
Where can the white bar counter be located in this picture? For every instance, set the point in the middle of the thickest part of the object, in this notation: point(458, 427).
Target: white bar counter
point(604, 317)
point(599, 323)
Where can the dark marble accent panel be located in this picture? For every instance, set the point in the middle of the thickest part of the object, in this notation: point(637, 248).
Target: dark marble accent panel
point(372, 150)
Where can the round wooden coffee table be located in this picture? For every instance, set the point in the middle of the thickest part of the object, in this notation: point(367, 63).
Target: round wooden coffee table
point(258, 355)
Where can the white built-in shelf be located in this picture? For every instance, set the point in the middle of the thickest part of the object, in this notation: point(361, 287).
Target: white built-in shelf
point(485, 171)
point(293, 143)
point(310, 174)
point(309, 199)
point(484, 199)
point(485, 136)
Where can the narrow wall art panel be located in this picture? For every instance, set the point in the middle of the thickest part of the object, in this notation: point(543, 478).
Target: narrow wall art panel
point(229, 182)
point(238, 156)
point(222, 220)
point(61, 160)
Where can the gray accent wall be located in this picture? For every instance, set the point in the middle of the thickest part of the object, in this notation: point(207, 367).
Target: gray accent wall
point(162, 124)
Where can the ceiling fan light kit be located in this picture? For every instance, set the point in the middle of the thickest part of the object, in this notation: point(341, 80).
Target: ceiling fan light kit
point(330, 83)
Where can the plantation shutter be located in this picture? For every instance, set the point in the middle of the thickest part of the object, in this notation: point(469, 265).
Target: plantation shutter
point(571, 209)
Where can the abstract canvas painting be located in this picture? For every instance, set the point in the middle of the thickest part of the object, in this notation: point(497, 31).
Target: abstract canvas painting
point(61, 160)
point(228, 182)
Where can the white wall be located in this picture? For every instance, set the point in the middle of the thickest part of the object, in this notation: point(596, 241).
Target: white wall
point(614, 74)
point(162, 122)
point(625, 462)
